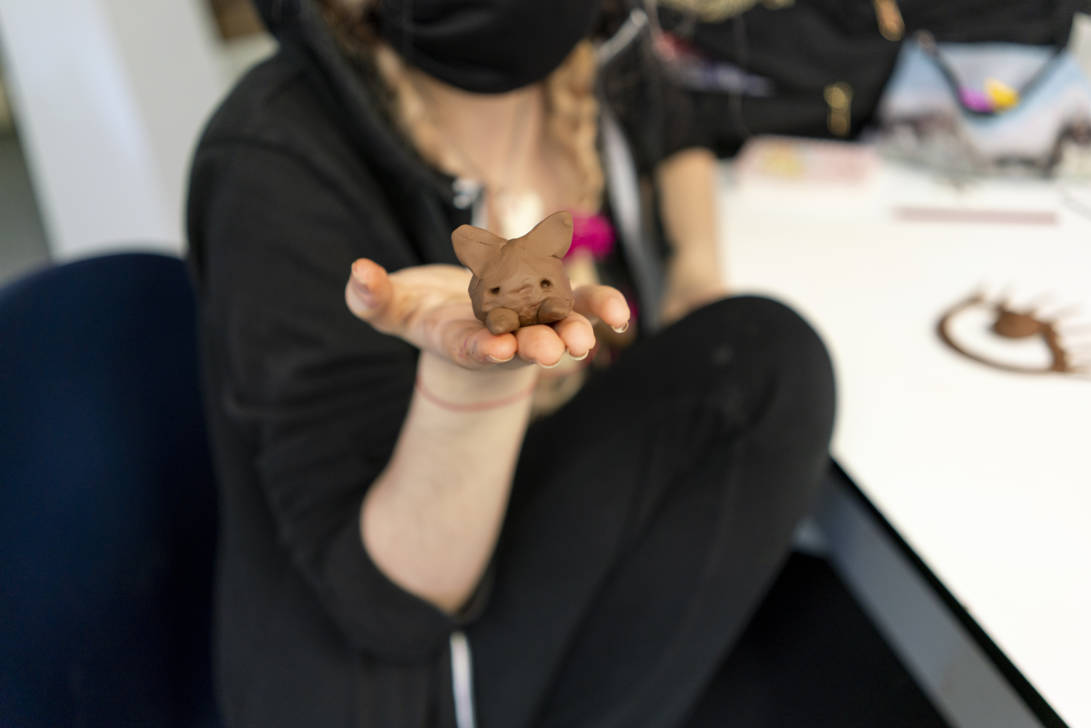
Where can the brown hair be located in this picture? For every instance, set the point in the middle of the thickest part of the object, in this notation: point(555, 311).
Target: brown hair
point(569, 93)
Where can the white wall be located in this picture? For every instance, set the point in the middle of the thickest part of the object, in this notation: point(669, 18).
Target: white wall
point(109, 97)
point(1080, 41)
point(5, 109)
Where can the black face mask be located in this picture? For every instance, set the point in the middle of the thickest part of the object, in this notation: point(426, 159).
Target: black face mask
point(485, 46)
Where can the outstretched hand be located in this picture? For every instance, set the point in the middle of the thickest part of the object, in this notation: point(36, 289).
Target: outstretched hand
point(429, 307)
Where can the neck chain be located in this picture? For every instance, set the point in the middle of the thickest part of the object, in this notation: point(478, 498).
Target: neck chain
point(511, 210)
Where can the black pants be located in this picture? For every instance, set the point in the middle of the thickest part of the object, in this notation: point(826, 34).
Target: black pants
point(648, 518)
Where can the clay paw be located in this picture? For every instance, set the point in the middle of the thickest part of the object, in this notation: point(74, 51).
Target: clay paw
point(553, 310)
point(501, 321)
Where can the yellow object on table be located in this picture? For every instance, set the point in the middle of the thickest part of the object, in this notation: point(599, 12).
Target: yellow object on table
point(1001, 94)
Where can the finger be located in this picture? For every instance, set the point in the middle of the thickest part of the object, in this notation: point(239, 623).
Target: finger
point(475, 347)
point(605, 303)
point(540, 344)
point(577, 334)
point(368, 292)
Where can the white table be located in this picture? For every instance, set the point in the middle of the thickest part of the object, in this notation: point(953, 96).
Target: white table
point(986, 475)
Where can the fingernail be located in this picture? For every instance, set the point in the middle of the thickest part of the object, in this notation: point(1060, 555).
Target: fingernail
point(494, 360)
point(549, 366)
point(358, 276)
point(621, 329)
point(358, 282)
point(581, 357)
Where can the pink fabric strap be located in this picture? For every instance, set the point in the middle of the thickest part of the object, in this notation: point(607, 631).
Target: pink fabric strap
point(592, 233)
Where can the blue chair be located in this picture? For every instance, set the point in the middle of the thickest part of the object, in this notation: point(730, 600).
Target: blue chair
point(108, 518)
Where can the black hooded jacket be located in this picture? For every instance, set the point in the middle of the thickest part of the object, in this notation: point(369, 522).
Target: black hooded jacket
point(298, 174)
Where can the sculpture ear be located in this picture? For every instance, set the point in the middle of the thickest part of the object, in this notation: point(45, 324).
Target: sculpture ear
point(552, 236)
point(474, 246)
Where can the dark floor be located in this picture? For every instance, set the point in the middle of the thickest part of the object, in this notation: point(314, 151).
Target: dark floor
point(811, 658)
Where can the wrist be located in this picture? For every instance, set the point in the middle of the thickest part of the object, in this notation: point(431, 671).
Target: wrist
point(452, 387)
point(696, 259)
point(694, 273)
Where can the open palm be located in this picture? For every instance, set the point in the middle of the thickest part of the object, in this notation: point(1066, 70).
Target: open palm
point(429, 307)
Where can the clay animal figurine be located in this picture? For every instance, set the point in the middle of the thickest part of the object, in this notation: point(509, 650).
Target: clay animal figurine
point(518, 282)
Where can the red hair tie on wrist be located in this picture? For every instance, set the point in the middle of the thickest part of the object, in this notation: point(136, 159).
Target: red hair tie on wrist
point(473, 406)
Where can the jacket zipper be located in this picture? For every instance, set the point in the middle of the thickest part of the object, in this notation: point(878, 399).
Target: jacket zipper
point(462, 680)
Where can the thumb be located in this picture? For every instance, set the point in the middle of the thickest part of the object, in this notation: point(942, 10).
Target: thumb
point(368, 292)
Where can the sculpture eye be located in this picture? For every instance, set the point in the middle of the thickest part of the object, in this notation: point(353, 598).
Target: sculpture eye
point(495, 290)
point(546, 283)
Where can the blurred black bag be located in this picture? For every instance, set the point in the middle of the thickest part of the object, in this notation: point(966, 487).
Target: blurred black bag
point(817, 68)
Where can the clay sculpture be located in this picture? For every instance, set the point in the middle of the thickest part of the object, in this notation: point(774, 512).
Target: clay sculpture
point(521, 281)
point(1012, 323)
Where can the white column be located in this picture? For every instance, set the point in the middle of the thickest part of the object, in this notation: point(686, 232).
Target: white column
point(109, 97)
